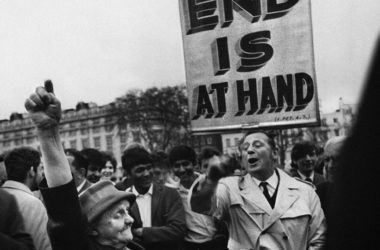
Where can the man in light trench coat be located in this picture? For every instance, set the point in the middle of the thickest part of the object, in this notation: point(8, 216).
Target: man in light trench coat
point(265, 208)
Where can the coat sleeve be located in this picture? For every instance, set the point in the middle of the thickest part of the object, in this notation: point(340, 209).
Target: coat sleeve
point(210, 198)
point(175, 226)
point(67, 226)
point(317, 226)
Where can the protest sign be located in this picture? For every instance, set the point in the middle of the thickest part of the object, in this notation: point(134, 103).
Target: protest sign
point(249, 63)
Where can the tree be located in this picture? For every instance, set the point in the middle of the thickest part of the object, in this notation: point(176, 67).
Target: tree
point(160, 116)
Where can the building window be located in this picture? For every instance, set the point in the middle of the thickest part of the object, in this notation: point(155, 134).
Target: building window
point(336, 132)
point(73, 133)
point(335, 120)
point(73, 144)
point(18, 133)
point(85, 143)
point(96, 130)
point(123, 138)
point(18, 142)
point(97, 143)
point(228, 142)
point(7, 144)
point(109, 143)
point(30, 140)
point(84, 131)
point(6, 135)
point(96, 121)
point(123, 127)
point(109, 128)
point(109, 119)
point(84, 124)
point(237, 141)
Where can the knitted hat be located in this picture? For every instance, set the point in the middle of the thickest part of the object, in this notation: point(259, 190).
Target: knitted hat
point(101, 196)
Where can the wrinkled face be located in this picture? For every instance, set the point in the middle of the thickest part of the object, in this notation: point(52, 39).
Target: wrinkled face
point(142, 176)
point(306, 164)
point(258, 156)
point(93, 173)
point(331, 159)
point(184, 170)
point(114, 226)
point(108, 170)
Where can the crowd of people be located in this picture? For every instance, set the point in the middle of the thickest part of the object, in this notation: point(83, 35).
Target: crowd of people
point(60, 198)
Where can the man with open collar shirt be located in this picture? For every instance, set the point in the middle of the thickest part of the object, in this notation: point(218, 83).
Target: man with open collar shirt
point(265, 208)
point(159, 217)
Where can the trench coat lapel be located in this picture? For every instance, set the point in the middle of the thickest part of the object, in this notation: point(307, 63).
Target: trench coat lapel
point(285, 197)
point(252, 193)
point(157, 190)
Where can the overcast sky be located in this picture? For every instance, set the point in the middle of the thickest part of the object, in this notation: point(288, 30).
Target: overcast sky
point(96, 50)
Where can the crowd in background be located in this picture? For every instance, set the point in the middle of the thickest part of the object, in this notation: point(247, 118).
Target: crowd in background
point(181, 200)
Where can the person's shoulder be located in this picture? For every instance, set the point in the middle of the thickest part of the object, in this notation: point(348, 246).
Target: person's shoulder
point(304, 184)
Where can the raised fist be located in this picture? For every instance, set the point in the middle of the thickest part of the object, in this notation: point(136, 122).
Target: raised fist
point(44, 108)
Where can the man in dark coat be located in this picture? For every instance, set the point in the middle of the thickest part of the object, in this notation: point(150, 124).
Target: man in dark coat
point(304, 160)
point(158, 211)
point(99, 218)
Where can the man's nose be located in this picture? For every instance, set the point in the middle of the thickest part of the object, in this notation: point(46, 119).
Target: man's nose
point(146, 172)
point(128, 219)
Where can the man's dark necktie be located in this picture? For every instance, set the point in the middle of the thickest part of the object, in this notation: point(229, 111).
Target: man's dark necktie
point(266, 193)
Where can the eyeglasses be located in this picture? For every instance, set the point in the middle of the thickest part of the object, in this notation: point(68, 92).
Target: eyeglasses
point(181, 163)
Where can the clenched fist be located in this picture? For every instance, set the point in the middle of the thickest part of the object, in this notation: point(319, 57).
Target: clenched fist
point(44, 108)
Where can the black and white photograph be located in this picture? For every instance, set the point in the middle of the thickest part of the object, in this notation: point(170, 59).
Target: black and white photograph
point(189, 124)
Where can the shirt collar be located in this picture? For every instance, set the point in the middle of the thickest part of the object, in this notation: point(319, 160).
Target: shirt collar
point(150, 191)
point(303, 177)
point(272, 181)
point(17, 185)
point(79, 187)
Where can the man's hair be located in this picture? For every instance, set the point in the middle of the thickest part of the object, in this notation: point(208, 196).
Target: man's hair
point(301, 149)
point(269, 134)
point(135, 156)
point(109, 157)
point(182, 152)
point(207, 152)
point(79, 160)
point(94, 157)
point(160, 159)
point(19, 161)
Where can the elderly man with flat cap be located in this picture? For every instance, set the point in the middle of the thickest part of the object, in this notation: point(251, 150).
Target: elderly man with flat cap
point(99, 218)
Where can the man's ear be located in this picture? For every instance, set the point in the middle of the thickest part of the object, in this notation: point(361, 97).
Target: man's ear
point(83, 172)
point(31, 173)
point(274, 154)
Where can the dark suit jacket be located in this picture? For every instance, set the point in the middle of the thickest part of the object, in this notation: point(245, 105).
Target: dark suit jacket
point(12, 233)
point(168, 220)
point(318, 178)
